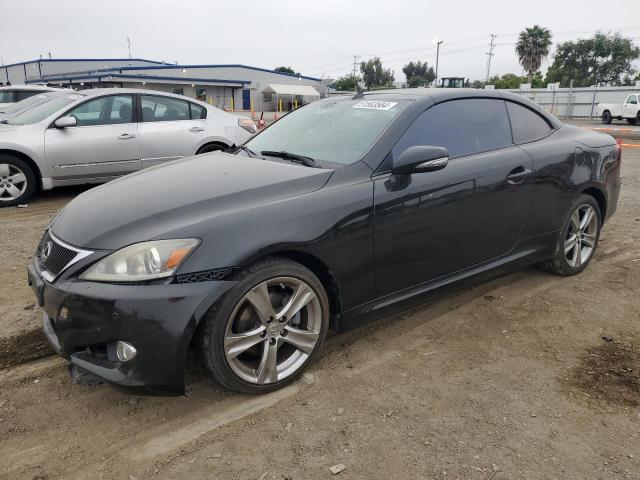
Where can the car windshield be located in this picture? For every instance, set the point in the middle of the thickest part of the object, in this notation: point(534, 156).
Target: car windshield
point(332, 132)
point(44, 110)
point(26, 103)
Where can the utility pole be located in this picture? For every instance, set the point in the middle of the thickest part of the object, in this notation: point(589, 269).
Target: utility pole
point(129, 45)
point(490, 54)
point(437, 43)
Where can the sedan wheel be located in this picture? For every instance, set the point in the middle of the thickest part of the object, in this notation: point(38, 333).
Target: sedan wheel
point(266, 330)
point(273, 330)
point(581, 236)
point(13, 182)
point(578, 238)
point(17, 181)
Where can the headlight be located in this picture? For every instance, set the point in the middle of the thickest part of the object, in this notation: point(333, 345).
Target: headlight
point(142, 261)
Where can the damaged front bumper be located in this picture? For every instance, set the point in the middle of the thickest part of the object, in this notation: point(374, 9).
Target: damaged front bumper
point(83, 322)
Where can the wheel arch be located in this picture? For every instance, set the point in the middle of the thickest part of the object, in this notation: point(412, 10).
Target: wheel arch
point(318, 267)
point(223, 142)
point(600, 197)
point(23, 156)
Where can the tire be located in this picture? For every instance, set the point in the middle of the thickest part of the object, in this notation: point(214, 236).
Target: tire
point(17, 181)
point(632, 121)
point(575, 260)
point(606, 117)
point(211, 147)
point(245, 366)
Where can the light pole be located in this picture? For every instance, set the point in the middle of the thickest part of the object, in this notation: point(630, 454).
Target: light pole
point(437, 43)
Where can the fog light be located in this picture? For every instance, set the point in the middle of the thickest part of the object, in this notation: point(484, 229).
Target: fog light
point(125, 351)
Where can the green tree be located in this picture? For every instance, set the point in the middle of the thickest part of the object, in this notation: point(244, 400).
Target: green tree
point(286, 70)
point(347, 82)
point(419, 81)
point(532, 46)
point(604, 59)
point(512, 81)
point(418, 73)
point(375, 75)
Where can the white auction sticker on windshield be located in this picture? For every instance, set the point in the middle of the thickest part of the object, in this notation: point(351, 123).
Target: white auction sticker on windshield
point(375, 105)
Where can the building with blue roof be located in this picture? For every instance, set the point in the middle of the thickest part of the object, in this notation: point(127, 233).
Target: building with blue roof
point(228, 86)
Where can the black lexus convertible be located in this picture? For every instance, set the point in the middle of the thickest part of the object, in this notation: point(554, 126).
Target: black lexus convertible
point(337, 210)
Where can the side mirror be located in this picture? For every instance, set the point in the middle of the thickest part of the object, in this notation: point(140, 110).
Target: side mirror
point(420, 158)
point(64, 122)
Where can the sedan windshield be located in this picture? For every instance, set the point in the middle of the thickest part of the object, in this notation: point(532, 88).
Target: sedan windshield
point(331, 132)
point(26, 103)
point(44, 110)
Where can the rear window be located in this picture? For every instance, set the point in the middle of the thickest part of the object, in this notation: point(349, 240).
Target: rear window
point(163, 109)
point(197, 112)
point(526, 124)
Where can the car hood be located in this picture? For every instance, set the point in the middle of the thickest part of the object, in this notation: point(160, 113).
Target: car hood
point(147, 204)
point(6, 128)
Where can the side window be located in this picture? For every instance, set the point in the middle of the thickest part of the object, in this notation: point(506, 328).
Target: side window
point(526, 124)
point(464, 127)
point(104, 111)
point(197, 112)
point(632, 99)
point(163, 109)
point(6, 96)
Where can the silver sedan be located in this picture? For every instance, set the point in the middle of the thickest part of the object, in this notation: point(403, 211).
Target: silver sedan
point(93, 136)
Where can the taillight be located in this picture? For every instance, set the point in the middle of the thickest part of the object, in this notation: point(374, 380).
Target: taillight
point(248, 125)
point(619, 149)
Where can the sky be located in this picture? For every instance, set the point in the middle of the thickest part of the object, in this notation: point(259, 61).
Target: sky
point(316, 38)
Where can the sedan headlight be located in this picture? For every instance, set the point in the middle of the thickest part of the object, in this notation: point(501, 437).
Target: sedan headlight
point(142, 261)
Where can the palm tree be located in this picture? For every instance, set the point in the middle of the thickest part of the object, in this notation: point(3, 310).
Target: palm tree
point(533, 45)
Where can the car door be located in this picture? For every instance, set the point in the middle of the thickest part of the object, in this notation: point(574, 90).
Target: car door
point(103, 142)
point(428, 225)
point(630, 107)
point(167, 129)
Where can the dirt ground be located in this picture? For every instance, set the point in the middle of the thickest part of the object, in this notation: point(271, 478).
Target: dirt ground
point(529, 376)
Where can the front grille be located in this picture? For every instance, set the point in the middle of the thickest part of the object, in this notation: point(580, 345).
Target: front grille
point(54, 257)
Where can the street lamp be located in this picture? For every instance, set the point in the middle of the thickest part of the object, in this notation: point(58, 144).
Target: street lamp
point(437, 43)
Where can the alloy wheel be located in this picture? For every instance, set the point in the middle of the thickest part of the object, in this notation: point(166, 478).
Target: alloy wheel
point(13, 182)
point(272, 330)
point(581, 235)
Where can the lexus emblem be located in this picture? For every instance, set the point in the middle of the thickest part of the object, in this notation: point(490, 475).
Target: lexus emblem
point(46, 251)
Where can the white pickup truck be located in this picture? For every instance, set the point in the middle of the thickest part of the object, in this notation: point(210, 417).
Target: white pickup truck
point(629, 110)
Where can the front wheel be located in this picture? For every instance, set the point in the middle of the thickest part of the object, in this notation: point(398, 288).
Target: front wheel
point(606, 117)
point(266, 330)
point(632, 121)
point(17, 181)
point(578, 238)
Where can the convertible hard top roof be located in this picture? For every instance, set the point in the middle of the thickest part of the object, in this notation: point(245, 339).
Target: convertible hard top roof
point(438, 95)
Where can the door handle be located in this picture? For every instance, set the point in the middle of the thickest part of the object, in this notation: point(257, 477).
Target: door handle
point(196, 129)
point(126, 136)
point(518, 175)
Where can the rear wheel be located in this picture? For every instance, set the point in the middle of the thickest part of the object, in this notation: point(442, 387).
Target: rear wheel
point(266, 330)
point(17, 181)
point(606, 117)
point(578, 238)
